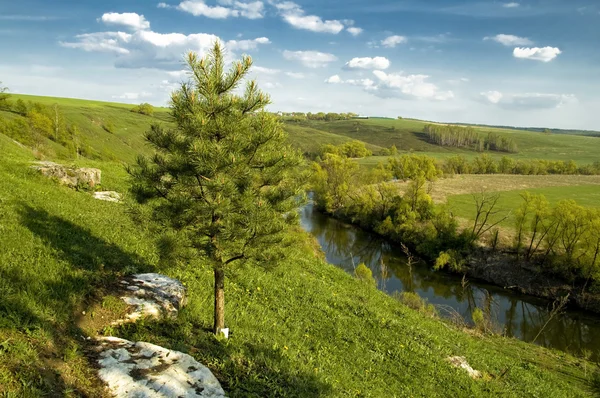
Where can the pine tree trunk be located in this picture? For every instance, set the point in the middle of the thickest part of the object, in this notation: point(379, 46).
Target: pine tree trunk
point(219, 299)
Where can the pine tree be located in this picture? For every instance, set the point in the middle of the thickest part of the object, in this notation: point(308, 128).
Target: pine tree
point(225, 179)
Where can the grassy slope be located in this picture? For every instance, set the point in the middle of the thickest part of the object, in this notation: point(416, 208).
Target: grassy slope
point(303, 329)
point(407, 135)
point(310, 140)
point(89, 116)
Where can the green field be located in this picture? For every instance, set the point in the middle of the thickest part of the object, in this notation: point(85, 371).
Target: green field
point(305, 328)
point(585, 195)
point(407, 136)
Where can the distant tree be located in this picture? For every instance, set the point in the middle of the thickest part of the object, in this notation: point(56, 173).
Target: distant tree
point(4, 96)
point(20, 107)
point(144, 109)
point(393, 150)
point(41, 126)
point(224, 178)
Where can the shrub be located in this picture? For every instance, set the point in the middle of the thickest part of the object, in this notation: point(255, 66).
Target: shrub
point(144, 109)
point(414, 301)
point(364, 273)
point(478, 319)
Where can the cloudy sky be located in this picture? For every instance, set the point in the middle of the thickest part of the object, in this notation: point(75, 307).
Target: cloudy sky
point(526, 63)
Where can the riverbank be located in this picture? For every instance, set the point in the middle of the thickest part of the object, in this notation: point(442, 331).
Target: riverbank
point(503, 270)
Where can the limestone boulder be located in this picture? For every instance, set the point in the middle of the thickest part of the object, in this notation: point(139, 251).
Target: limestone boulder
point(146, 370)
point(70, 176)
point(109, 196)
point(153, 296)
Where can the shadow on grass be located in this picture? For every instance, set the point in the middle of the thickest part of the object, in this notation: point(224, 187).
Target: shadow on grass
point(38, 304)
point(78, 245)
point(244, 368)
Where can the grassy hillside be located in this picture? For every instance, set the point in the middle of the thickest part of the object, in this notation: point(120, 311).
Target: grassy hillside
point(310, 140)
point(305, 328)
point(407, 136)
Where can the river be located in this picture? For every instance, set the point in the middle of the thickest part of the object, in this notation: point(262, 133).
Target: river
point(518, 316)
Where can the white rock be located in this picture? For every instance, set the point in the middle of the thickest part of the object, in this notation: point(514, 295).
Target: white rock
point(152, 295)
point(461, 362)
point(109, 196)
point(145, 370)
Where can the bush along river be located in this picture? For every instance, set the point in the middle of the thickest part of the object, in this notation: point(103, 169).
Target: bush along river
point(524, 317)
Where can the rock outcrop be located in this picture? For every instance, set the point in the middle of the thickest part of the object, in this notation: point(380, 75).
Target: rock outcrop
point(70, 176)
point(461, 363)
point(147, 370)
point(152, 296)
point(109, 196)
point(144, 370)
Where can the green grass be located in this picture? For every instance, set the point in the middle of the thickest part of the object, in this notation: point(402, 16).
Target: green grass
point(407, 136)
point(310, 140)
point(305, 328)
point(89, 116)
point(585, 195)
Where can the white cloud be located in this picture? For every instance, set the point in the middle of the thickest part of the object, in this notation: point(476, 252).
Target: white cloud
point(397, 85)
point(544, 54)
point(114, 42)
point(148, 49)
point(354, 31)
point(310, 59)
point(458, 81)
point(178, 74)
point(246, 45)
point(393, 41)
point(335, 79)
point(295, 75)
point(294, 15)
point(251, 10)
point(272, 85)
point(163, 5)
point(263, 70)
point(527, 101)
point(133, 96)
point(510, 40)
point(511, 5)
point(127, 19)
point(492, 97)
point(409, 86)
point(368, 63)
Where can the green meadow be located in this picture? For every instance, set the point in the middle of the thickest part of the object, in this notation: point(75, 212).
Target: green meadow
point(301, 329)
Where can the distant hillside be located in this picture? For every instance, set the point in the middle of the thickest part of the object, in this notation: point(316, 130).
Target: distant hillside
point(590, 133)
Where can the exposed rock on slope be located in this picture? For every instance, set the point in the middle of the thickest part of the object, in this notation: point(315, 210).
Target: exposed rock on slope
point(109, 196)
point(152, 295)
point(147, 370)
point(70, 176)
point(144, 370)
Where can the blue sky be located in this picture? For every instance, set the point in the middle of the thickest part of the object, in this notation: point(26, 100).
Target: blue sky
point(526, 63)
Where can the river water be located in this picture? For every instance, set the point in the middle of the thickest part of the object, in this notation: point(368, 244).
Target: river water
point(518, 316)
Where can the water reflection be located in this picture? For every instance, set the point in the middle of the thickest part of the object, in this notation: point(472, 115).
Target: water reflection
point(520, 316)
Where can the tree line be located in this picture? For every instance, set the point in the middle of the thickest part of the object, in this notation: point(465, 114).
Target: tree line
point(564, 240)
point(329, 116)
point(468, 137)
point(40, 122)
point(485, 164)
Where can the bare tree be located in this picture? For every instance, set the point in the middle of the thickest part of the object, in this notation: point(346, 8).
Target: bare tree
point(486, 212)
